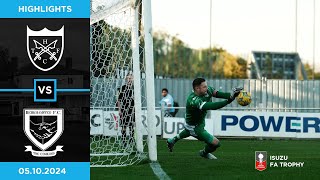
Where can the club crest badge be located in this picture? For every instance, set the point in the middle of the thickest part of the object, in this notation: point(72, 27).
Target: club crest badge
point(45, 47)
point(43, 127)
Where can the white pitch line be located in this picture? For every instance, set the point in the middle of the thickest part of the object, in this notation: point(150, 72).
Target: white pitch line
point(158, 171)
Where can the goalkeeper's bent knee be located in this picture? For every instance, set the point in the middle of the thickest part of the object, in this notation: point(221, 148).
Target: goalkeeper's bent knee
point(215, 146)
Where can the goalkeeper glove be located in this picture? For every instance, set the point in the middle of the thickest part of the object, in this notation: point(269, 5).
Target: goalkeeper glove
point(235, 92)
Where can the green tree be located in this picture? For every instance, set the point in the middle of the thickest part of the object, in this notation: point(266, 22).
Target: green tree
point(173, 58)
point(110, 49)
point(309, 71)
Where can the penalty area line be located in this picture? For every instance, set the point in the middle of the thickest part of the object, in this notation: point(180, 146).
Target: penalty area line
point(158, 171)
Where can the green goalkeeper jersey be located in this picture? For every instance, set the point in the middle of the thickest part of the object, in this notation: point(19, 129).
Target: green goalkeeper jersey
point(194, 113)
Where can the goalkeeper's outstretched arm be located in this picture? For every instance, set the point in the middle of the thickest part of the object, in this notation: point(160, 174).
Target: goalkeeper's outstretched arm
point(217, 105)
point(214, 105)
point(226, 95)
point(223, 95)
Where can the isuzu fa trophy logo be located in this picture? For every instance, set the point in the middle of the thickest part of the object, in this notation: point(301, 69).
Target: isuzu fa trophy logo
point(261, 160)
point(45, 47)
point(43, 127)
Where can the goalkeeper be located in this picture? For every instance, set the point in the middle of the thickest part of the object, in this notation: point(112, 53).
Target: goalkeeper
point(198, 102)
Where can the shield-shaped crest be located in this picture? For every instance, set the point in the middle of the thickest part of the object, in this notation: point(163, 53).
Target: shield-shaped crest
point(43, 127)
point(261, 160)
point(45, 47)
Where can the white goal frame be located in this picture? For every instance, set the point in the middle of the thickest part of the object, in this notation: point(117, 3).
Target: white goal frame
point(149, 72)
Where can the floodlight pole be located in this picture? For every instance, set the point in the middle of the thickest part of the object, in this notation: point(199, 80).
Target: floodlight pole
point(210, 29)
point(210, 23)
point(314, 38)
point(296, 28)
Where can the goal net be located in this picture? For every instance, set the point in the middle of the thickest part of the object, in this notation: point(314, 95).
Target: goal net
point(117, 90)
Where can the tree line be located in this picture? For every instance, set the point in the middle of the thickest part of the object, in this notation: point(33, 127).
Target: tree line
point(175, 59)
point(111, 50)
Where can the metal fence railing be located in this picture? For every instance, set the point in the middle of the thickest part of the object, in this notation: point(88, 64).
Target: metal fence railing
point(270, 95)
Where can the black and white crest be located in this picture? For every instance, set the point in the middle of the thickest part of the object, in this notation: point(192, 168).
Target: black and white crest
point(45, 47)
point(43, 126)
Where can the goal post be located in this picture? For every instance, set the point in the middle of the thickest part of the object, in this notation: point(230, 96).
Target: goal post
point(137, 75)
point(152, 139)
point(119, 46)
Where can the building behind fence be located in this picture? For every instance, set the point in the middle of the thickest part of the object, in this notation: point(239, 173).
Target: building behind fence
point(277, 65)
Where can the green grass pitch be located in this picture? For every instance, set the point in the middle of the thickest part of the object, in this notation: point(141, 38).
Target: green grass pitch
point(236, 160)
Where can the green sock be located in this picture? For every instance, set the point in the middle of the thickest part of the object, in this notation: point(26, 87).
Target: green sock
point(182, 135)
point(209, 148)
point(174, 139)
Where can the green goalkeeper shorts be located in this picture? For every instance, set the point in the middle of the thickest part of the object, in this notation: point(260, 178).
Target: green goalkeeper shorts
point(200, 133)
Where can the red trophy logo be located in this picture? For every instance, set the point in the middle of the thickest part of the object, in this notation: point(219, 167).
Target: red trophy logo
point(261, 160)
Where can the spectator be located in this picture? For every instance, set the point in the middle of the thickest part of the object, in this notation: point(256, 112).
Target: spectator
point(167, 102)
